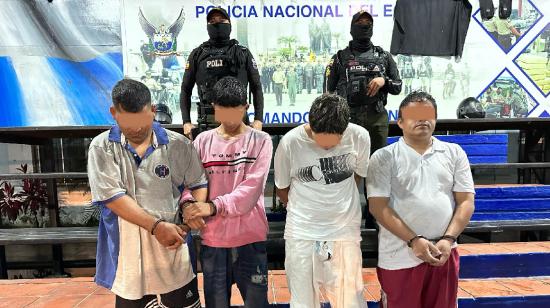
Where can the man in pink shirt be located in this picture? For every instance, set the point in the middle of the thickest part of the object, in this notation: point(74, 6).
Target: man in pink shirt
point(236, 158)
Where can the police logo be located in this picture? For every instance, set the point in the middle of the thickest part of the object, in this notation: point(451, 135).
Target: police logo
point(162, 171)
point(187, 65)
point(163, 39)
point(254, 64)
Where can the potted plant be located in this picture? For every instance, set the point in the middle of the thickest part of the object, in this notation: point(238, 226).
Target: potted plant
point(27, 204)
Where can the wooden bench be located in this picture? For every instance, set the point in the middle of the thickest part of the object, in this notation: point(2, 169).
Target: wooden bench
point(55, 237)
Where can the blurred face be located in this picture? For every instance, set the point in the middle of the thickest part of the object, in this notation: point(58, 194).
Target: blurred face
point(418, 120)
point(326, 141)
point(136, 127)
point(230, 117)
point(217, 18)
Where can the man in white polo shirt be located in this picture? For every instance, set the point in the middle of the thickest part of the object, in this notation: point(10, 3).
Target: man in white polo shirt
point(421, 192)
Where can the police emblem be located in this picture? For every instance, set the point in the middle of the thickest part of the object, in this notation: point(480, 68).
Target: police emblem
point(163, 40)
point(254, 65)
point(162, 171)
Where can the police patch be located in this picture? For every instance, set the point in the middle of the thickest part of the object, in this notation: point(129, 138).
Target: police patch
point(162, 171)
point(187, 65)
point(254, 64)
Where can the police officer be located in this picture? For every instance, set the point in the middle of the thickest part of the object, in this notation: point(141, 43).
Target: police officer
point(319, 74)
point(364, 74)
point(299, 77)
point(216, 58)
point(309, 71)
point(408, 73)
point(292, 84)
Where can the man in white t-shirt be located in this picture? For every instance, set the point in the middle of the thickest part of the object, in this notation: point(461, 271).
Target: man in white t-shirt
point(317, 168)
point(421, 192)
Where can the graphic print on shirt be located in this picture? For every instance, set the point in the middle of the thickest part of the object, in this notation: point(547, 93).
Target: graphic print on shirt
point(234, 162)
point(333, 169)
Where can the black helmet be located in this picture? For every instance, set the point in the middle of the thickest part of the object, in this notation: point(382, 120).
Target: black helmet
point(163, 114)
point(470, 108)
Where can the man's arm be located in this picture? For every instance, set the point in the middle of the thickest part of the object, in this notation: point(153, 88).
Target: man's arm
point(187, 85)
point(200, 195)
point(245, 196)
point(386, 216)
point(358, 178)
point(463, 212)
point(282, 193)
point(168, 234)
point(256, 89)
point(191, 173)
point(331, 75)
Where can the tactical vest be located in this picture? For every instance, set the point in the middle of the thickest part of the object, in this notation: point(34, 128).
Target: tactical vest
point(214, 63)
point(359, 71)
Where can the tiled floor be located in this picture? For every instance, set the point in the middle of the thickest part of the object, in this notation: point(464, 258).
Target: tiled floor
point(82, 292)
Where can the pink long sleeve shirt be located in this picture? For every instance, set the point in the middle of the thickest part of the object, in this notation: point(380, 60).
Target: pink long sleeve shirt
point(237, 171)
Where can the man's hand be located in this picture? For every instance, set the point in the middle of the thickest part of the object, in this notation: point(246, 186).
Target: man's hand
point(375, 85)
point(425, 251)
point(197, 210)
point(195, 224)
point(257, 125)
point(169, 235)
point(444, 247)
point(187, 128)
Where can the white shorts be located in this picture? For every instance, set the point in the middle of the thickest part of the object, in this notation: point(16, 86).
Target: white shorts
point(332, 270)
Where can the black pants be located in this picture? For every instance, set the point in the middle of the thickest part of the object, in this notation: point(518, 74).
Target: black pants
point(184, 297)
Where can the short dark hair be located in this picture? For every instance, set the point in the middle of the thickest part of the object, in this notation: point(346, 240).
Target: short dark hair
point(131, 95)
point(229, 92)
point(416, 96)
point(329, 114)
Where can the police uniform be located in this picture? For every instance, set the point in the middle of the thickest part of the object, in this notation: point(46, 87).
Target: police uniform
point(210, 62)
point(348, 74)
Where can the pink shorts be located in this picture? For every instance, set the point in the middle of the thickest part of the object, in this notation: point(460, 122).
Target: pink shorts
point(423, 286)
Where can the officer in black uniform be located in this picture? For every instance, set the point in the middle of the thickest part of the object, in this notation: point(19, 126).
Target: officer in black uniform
point(218, 57)
point(364, 74)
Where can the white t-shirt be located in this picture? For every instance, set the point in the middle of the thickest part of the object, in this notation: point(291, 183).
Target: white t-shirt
point(323, 202)
point(420, 188)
